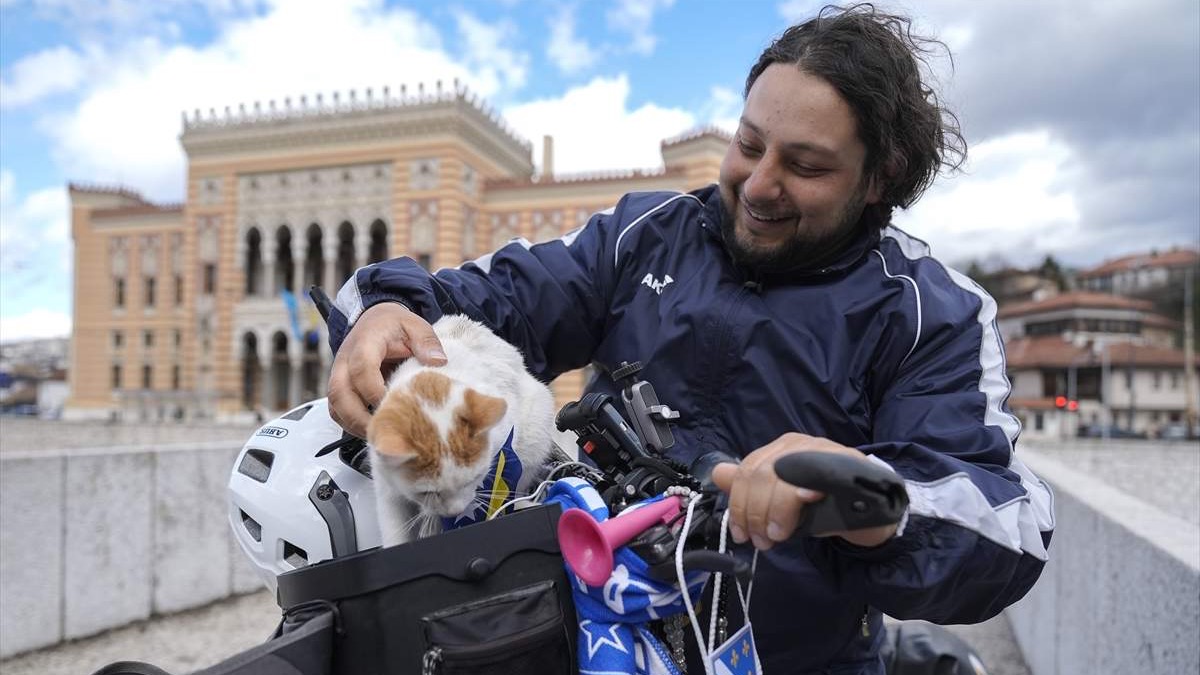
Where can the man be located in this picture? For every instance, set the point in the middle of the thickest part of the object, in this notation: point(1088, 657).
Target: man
point(796, 319)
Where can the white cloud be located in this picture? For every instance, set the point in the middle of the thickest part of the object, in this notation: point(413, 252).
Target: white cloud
point(723, 109)
point(41, 74)
point(36, 324)
point(795, 11)
point(125, 127)
point(635, 18)
point(497, 65)
point(569, 52)
point(35, 249)
point(1015, 199)
point(594, 130)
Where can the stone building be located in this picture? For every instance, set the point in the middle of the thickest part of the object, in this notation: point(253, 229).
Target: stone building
point(1080, 359)
point(180, 309)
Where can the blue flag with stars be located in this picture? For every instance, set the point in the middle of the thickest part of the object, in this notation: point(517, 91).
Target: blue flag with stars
point(613, 637)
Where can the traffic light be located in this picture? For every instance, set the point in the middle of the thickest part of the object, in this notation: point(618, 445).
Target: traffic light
point(1060, 402)
point(1073, 406)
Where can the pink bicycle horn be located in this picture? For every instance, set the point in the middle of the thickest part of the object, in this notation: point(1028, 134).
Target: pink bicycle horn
point(588, 546)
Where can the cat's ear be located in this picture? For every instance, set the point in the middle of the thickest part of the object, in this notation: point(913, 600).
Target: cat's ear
point(391, 427)
point(480, 412)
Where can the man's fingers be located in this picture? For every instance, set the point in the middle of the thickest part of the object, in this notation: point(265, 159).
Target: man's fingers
point(787, 508)
point(758, 503)
point(366, 379)
point(722, 476)
point(423, 342)
point(349, 412)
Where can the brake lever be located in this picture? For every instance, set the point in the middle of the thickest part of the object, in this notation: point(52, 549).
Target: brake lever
point(858, 494)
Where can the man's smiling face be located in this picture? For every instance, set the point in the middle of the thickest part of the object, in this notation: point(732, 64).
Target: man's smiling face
point(792, 180)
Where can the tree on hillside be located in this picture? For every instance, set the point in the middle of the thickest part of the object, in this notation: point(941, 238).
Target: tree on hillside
point(1052, 271)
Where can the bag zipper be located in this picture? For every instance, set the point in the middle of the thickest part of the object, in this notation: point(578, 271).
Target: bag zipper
point(435, 655)
point(431, 661)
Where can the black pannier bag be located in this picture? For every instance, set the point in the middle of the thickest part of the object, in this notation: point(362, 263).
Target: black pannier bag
point(488, 598)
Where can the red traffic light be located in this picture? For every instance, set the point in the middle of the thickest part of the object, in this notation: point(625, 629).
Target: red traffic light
point(1060, 401)
point(1073, 406)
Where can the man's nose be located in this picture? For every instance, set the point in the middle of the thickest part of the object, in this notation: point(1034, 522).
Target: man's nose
point(763, 184)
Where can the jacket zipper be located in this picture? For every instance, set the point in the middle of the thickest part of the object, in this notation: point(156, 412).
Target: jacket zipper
point(727, 330)
point(866, 626)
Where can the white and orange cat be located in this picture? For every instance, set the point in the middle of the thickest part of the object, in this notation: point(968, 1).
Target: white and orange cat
point(436, 434)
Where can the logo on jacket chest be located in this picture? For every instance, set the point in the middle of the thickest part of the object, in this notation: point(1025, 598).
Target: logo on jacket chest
point(656, 285)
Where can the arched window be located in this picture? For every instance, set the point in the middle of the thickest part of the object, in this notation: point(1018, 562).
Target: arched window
point(503, 230)
point(424, 239)
point(285, 267)
point(310, 369)
point(379, 242)
point(251, 372)
point(281, 371)
point(314, 258)
point(254, 262)
point(346, 264)
point(468, 235)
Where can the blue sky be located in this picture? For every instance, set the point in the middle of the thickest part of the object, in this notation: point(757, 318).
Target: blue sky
point(1083, 120)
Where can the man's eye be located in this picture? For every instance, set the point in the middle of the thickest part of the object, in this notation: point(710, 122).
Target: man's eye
point(808, 171)
point(748, 149)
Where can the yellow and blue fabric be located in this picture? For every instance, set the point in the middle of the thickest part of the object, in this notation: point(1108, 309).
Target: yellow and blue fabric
point(496, 489)
point(613, 636)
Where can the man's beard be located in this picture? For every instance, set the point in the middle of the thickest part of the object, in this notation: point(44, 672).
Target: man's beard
point(805, 250)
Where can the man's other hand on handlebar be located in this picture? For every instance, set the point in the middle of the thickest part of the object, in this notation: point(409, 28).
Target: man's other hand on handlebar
point(766, 510)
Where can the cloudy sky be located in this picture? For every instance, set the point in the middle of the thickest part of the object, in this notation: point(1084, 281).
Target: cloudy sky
point(1083, 118)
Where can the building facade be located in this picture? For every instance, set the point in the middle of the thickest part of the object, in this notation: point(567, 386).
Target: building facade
point(199, 310)
point(1084, 359)
point(1141, 273)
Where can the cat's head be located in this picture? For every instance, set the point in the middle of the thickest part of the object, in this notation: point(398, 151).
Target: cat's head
point(433, 433)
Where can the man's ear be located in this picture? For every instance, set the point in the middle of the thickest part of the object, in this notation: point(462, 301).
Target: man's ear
point(875, 187)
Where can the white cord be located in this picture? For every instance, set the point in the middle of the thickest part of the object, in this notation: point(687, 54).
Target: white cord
point(683, 588)
point(712, 621)
point(537, 493)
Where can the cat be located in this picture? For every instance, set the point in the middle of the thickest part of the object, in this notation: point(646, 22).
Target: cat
point(436, 434)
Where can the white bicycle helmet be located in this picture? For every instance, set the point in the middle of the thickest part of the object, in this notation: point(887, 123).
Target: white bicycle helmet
point(299, 493)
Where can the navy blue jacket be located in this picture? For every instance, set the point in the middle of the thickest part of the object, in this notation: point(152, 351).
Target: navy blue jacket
point(885, 349)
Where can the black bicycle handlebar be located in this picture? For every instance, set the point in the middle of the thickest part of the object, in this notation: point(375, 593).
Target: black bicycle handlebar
point(858, 493)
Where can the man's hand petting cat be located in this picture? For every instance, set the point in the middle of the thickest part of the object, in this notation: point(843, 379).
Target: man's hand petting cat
point(384, 335)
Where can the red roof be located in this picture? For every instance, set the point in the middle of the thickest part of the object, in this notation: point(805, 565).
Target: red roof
point(1160, 321)
point(1180, 257)
point(1051, 351)
point(1075, 299)
point(1044, 351)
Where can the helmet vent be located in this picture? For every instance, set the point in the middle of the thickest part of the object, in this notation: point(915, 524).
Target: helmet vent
point(294, 555)
point(251, 526)
point(298, 413)
point(256, 464)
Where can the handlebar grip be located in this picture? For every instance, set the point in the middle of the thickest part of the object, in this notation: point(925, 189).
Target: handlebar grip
point(858, 494)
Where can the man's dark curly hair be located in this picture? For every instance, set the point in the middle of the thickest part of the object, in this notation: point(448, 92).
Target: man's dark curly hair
point(875, 62)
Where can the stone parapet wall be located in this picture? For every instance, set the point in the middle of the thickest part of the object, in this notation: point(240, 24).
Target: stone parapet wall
point(1121, 593)
point(95, 539)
